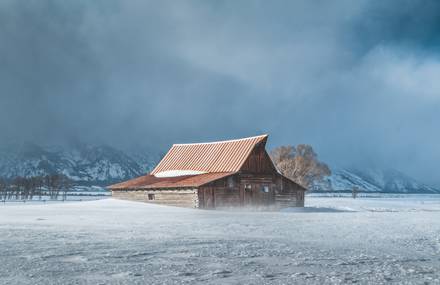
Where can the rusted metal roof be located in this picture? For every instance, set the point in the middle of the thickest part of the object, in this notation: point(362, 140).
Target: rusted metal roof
point(222, 156)
point(150, 181)
point(214, 159)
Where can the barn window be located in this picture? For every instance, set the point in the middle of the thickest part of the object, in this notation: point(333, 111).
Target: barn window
point(151, 197)
point(265, 188)
point(248, 187)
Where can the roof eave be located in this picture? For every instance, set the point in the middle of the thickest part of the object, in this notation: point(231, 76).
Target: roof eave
point(291, 180)
point(232, 173)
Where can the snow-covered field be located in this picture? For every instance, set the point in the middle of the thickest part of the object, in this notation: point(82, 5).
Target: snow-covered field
point(332, 240)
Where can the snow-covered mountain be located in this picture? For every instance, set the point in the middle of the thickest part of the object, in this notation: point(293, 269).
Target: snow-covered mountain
point(373, 180)
point(82, 163)
point(103, 165)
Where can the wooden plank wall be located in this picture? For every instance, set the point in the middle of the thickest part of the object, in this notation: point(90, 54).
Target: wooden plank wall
point(223, 193)
point(258, 162)
point(285, 200)
point(255, 197)
point(227, 197)
point(180, 198)
point(288, 194)
point(283, 193)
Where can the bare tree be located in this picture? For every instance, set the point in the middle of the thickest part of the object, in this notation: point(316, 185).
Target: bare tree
point(17, 187)
point(354, 192)
point(300, 163)
point(38, 184)
point(50, 185)
point(28, 187)
point(3, 189)
point(65, 185)
point(57, 183)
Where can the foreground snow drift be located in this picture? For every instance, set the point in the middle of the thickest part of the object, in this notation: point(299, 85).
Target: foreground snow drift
point(333, 240)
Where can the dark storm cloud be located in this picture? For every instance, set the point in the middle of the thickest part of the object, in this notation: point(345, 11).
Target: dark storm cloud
point(414, 23)
point(357, 80)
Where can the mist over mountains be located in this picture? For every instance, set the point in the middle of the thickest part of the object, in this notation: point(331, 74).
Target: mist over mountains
point(103, 165)
point(373, 180)
point(84, 164)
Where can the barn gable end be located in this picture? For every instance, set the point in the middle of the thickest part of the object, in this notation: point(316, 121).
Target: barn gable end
point(259, 161)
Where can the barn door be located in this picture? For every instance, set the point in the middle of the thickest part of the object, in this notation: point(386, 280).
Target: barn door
point(257, 194)
point(248, 194)
point(209, 198)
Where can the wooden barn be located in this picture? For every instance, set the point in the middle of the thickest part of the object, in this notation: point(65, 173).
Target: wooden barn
point(234, 173)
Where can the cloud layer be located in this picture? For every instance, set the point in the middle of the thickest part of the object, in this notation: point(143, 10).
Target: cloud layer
point(357, 80)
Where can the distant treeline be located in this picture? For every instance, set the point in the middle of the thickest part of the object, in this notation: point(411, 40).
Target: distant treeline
point(27, 188)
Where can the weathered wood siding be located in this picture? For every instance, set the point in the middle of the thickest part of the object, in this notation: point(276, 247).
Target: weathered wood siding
point(258, 162)
point(241, 190)
point(222, 193)
point(251, 190)
point(288, 194)
point(187, 198)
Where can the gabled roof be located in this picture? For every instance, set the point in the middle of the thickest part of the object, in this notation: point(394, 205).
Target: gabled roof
point(211, 157)
point(151, 181)
point(197, 164)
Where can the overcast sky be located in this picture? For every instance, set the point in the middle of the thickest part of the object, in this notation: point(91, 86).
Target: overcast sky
point(358, 80)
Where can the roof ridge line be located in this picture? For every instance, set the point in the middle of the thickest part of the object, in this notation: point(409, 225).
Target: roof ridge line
point(225, 141)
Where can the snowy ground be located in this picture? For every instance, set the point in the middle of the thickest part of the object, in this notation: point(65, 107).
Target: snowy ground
point(333, 240)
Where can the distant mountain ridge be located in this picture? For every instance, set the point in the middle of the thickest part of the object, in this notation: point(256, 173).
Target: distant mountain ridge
point(103, 165)
point(85, 164)
point(373, 180)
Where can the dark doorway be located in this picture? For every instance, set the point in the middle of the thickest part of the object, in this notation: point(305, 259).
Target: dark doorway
point(209, 198)
point(248, 194)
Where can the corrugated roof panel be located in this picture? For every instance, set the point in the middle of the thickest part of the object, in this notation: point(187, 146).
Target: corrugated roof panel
point(223, 156)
